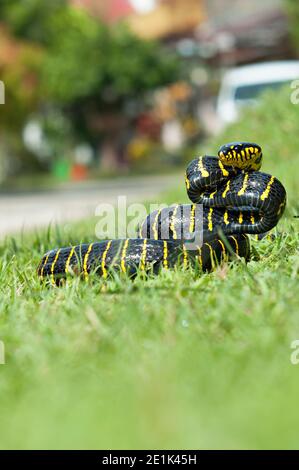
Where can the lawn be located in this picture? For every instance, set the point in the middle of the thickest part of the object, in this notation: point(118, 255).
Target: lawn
point(177, 361)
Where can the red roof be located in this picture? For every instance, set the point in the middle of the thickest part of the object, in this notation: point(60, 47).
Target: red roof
point(109, 10)
point(118, 8)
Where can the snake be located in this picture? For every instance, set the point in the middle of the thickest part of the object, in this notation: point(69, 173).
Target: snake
point(231, 199)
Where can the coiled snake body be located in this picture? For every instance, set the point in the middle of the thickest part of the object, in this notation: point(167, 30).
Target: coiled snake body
point(236, 199)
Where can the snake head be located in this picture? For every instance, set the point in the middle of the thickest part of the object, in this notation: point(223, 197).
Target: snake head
point(243, 155)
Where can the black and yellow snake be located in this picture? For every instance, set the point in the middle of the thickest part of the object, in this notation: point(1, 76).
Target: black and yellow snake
point(236, 199)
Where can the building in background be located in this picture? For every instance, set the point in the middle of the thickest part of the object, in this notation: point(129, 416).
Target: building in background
point(244, 31)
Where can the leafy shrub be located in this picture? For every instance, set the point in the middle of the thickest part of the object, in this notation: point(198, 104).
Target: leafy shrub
point(273, 124)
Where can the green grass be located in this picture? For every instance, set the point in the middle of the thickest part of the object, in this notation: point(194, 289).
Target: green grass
point(177, 361)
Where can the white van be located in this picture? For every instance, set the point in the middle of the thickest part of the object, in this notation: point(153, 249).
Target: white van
point(242, 86)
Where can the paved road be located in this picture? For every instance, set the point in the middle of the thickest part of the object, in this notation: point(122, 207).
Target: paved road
point(74, 202)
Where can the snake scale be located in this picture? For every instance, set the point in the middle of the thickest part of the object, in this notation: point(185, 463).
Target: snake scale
point(236, 199)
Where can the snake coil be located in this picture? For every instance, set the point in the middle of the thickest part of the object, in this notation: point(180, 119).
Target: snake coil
point(230, 199)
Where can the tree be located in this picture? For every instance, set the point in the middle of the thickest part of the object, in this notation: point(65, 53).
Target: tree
point(24, 33)
point(100, 75)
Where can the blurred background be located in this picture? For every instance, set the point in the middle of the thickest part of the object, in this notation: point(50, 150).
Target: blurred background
point(99, 89)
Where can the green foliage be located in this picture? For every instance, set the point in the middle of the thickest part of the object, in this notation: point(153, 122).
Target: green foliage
point(136, 66)
point(72, 63)
point(29, 19)
point(95, 73)
point(88, 60)
point(19, 72)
